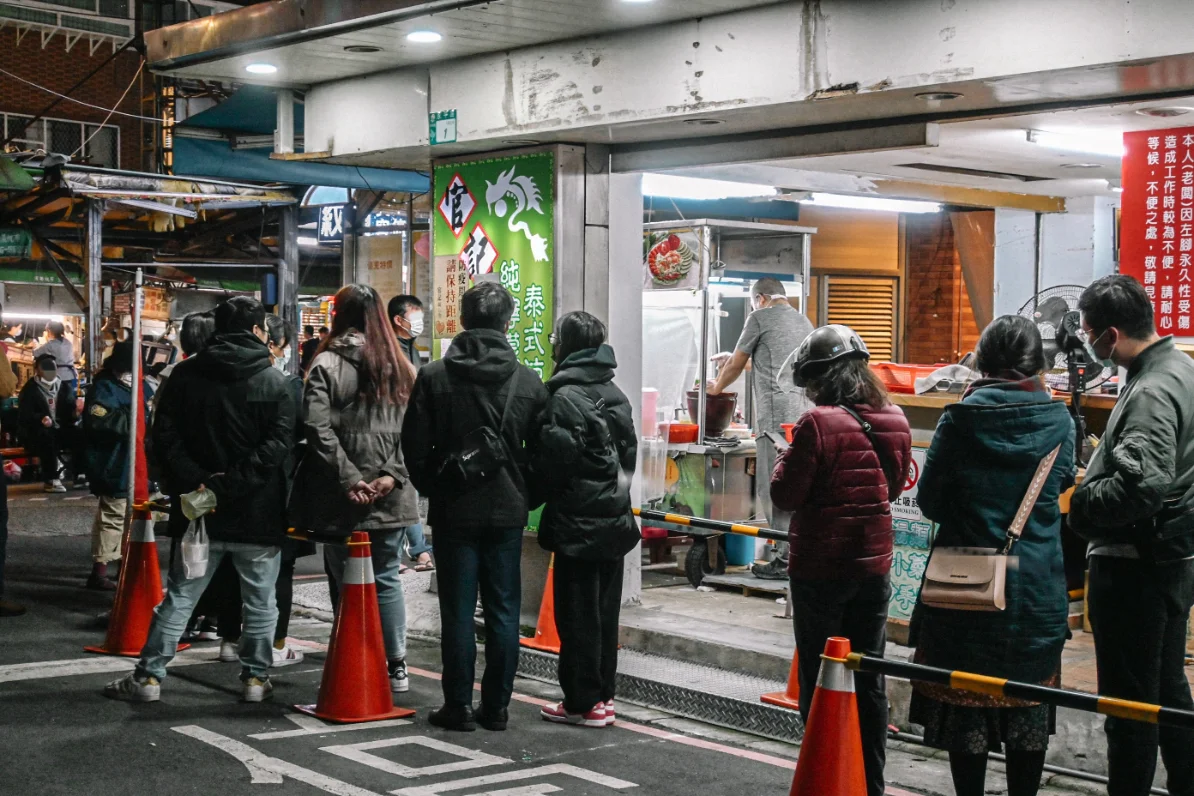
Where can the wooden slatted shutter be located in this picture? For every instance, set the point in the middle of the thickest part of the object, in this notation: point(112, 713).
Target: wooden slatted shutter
point(868, 306)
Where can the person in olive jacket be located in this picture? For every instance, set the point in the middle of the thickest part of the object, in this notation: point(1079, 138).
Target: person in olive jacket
point(585, 457)
point(352, 477)
point(984, 455)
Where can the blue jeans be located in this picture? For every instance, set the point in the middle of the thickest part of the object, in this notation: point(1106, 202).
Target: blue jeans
point(258, 568)
point(418, 542)
point(386, 548)
point(490, 559)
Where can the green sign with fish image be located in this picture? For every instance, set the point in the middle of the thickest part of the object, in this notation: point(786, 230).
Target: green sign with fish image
point(496, 217)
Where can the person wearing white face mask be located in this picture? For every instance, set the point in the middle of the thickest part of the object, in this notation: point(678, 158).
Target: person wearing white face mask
point(406, 313)
point(47, 412)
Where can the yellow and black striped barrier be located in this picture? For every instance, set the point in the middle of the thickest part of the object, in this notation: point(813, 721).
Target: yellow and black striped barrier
point(995, 686)
point(710, 525)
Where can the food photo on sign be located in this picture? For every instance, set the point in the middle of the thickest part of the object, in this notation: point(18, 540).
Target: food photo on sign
point(671, 260)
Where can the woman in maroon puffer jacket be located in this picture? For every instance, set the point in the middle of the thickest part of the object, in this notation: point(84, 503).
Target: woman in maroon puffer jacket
point(848, 461)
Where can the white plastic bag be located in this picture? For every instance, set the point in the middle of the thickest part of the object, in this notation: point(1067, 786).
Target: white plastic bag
point(195, 544)
point(194, 549)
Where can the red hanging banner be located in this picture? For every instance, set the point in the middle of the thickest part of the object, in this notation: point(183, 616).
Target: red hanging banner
point(1157, 222)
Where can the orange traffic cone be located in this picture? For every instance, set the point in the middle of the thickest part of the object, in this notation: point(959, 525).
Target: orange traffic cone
point(546, 638)
point(789, 698)
point(830, 762)
point(355, 686)
point(137, 593)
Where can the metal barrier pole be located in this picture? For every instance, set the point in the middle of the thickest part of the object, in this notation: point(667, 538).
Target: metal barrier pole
point(711, 525)
point(995, 686)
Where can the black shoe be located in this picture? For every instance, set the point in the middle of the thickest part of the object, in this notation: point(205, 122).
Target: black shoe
point(776, 569)
point(11, 609)
point(458, 718)
point(492, 720)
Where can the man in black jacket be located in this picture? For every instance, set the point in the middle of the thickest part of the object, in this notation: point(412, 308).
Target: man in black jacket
point(478, 529)
point(225, 425)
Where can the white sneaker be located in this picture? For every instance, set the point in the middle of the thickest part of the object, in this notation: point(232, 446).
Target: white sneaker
point(134, 690)
point(55, 486)
point(399, 679)
point(256, 689)
point(229, 651)
point(287, 656)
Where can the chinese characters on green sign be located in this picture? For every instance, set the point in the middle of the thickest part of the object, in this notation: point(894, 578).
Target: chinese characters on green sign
point(15, 242)
point(496, 216)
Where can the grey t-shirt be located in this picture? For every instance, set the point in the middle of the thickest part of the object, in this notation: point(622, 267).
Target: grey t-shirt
point(64, 356)
point(770, 337)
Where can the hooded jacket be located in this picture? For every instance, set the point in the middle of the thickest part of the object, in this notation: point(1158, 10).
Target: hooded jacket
point(984, 455)
point(832, 480)
point(1138, 491)
point(585, 457)
point(107, 416)
point(33, 404)
point(226, 420)
point(349, 439)
point(456, 395)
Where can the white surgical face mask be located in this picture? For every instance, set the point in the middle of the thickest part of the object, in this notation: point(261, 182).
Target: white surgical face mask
point(126, 379)
point(281, 362)
point(415, 319)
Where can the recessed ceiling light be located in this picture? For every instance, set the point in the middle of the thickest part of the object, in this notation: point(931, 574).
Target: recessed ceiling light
point(938, 96)
point(1107, 143)
point(261, 69)
point(424, 36)
point(1081, 165)
point(362, 48)
point(704, 122)
point(1164, 113)
point(638, 1)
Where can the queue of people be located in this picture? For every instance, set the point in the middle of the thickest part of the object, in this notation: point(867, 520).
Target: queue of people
point(486, 441)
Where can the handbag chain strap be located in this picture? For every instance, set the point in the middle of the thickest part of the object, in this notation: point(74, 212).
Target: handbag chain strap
point(1030, 497)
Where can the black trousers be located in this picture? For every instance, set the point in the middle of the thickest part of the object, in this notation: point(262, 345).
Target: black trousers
point(588, 597)
point(857, 610)
point(3, 522)
point(1139, 612)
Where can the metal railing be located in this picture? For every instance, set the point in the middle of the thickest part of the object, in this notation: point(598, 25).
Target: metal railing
point(999, 687)
point(711, 525)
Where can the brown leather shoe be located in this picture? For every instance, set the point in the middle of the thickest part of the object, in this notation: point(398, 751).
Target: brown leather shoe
point(11, 609)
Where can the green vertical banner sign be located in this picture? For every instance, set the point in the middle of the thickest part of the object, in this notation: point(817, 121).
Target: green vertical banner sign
point(497, 217)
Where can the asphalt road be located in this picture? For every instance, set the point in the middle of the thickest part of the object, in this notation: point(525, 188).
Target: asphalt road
point(61, 736)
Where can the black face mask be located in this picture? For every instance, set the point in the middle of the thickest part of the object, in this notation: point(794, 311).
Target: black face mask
point(555, 354)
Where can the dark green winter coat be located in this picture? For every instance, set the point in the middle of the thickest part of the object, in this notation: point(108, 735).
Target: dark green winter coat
point(585, 459)
point(984, 454)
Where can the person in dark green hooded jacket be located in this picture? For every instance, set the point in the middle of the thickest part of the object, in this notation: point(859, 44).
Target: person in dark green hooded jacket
point(586, 454)
point(984, 454)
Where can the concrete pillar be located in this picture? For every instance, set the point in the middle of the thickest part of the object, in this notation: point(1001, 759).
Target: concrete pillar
point(288, 275)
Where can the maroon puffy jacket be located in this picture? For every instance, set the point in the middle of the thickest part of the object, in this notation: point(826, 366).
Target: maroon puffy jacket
point(832, 482)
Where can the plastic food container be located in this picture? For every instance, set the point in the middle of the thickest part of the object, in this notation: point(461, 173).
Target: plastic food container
point(902, 378)
point(678, 433)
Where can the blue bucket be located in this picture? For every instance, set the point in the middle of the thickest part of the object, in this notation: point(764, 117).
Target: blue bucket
point(740, 550)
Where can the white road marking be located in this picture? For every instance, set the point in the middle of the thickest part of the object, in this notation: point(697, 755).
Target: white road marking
point(309, 725)
point(93, 664)
point(471, 758)
point(513, 776)
point(76, 497)
point(37, 500)
point(537, 789)
point(270, 770)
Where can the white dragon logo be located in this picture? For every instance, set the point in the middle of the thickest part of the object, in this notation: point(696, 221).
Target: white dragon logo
point(526, 196)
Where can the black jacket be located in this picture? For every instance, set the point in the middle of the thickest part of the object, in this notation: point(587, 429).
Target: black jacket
point(585, 458)
point(226, 419)
point(454, 396)
point(32, 406)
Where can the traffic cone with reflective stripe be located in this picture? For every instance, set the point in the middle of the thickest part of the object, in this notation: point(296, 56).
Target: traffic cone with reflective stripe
point(138, 591)
point(546, 638)
point(355, 686)
point(789, 698)
point(830, 762)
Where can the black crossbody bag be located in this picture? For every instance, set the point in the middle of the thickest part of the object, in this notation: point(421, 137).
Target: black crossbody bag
point(482, 452)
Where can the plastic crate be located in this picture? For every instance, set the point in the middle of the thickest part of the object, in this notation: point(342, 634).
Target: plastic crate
point(902, 378)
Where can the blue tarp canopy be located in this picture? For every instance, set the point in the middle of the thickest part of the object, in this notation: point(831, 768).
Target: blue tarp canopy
point(253, 111)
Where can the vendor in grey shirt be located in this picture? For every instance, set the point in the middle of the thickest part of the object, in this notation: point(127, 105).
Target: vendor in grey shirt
point(773, 331)
point(62, 350)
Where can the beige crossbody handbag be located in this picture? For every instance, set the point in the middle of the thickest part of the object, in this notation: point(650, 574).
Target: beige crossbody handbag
point(975, 578)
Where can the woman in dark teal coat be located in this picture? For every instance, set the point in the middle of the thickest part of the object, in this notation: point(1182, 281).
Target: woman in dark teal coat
point(984, 454)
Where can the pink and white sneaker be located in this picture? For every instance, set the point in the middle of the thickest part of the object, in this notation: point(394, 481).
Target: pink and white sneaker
point(556, 714)
point(609, 712)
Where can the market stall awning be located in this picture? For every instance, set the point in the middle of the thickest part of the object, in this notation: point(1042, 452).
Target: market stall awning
point(215, 158)
point(252, 110)
point(13, 177)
